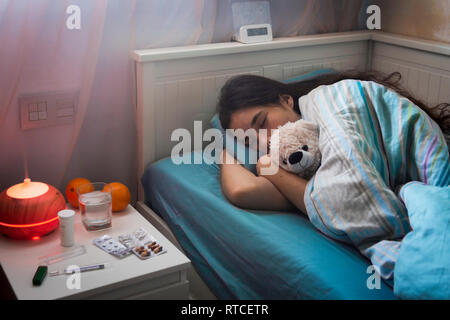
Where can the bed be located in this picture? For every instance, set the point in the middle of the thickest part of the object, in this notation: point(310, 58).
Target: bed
point(249, 254)
point(176, 86)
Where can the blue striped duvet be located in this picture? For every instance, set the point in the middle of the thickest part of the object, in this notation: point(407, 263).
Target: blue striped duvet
point(373, 141)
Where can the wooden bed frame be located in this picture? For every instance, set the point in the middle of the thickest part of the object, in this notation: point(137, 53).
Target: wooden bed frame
point(178, 85)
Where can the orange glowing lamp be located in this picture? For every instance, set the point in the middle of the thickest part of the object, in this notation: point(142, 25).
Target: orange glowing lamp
point(30, 209)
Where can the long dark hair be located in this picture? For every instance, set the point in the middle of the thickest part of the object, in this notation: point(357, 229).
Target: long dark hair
point(248, 90)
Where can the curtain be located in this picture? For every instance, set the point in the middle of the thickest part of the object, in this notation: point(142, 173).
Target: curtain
point(38, 53)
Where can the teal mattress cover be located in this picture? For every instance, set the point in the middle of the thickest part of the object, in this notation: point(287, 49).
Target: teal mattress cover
point(243, 254)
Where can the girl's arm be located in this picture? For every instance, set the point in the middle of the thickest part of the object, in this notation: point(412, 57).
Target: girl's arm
point(288, 184)
point(248, 191)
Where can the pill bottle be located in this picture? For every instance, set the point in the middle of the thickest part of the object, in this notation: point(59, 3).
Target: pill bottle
point(67, 227)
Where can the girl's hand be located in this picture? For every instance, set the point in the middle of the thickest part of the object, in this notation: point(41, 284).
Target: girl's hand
point(266, 167)
point(291, 186)
point(263, 162)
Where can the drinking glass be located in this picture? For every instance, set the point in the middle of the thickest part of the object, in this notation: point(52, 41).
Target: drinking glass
point(95, 205)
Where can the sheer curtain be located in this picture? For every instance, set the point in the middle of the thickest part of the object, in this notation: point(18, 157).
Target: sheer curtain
point(39, 54)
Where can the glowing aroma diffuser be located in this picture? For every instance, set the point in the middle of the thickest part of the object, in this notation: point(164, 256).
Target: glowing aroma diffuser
point(29, 210)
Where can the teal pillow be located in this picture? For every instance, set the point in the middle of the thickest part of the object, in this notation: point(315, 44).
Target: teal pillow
point(243, 153)
point(310, 75)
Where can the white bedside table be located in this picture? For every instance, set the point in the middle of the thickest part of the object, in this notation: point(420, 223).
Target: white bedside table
point(161, 277)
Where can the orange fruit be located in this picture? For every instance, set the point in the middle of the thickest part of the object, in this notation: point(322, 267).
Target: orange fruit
point(120, 196)
point(71, 190)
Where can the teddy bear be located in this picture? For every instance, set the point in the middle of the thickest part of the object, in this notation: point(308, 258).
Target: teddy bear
point(295, 148)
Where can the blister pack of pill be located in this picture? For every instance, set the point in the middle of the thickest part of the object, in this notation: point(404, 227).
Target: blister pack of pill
point(111, 246)
point(142, 244)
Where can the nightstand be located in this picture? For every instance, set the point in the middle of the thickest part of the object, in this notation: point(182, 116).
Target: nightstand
point(160, 277)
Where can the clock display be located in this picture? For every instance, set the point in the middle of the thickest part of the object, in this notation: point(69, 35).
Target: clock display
point(256, 32)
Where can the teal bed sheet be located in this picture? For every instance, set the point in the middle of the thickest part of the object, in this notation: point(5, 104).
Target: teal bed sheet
point(244, 254)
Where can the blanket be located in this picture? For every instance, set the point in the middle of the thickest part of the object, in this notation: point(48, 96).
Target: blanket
point(373, 141)
point(422, 270)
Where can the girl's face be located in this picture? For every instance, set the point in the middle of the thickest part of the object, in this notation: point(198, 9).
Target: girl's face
point(265, 117)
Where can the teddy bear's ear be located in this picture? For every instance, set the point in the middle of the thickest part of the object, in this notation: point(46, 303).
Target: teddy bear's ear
point(307, 125)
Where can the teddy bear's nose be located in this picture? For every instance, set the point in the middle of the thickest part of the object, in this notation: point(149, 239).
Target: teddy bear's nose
point(296, 157)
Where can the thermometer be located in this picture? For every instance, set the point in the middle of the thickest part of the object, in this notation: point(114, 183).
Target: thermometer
point(91, 267)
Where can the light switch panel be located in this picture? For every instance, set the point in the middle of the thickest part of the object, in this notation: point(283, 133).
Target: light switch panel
point(47, 109)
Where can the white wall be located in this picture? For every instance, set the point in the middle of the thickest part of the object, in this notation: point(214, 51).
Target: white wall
point(427, 19)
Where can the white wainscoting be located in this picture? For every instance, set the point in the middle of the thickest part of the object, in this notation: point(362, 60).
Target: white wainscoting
point(425, 75)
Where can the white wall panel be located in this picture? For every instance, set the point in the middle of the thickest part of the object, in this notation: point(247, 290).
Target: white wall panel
point(425, 75)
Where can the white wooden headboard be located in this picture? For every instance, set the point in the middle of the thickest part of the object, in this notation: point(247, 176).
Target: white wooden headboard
point(178, 85)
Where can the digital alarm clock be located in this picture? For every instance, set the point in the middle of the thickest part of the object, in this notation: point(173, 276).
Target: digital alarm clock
point(254, 33)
